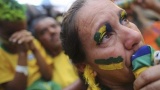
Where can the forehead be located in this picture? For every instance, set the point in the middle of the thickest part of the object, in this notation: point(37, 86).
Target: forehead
point(96, 9)
point(43, 23)
point(46, 20)
point(94, 13)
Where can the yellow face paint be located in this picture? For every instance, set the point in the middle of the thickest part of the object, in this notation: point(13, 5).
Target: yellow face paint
point(123, 15)
point(98, 37)
point(110, 64)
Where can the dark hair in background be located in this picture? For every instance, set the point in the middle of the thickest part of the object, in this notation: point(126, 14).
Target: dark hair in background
point(34, 12)
point(34, 22)
point(70, 39)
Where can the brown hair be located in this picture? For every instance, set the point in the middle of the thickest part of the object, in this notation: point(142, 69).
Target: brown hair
point(70, 39)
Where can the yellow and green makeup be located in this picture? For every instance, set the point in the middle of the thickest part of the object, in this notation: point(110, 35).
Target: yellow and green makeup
point(123, 15)
point(98, 37)
point(112, 63)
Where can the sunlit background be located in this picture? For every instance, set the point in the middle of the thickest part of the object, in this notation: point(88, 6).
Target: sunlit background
point(61, 5)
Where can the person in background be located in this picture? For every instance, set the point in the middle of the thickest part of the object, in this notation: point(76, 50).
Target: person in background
point(150, 4)
point(148, 24)
point(100, 41)
point(151, 30)
point(47, 31)
point(24, 63)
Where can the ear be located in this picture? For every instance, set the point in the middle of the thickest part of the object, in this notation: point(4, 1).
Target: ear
point(80, 67)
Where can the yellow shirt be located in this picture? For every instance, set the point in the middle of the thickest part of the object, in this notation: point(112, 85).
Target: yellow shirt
point(8, 63)
point(64, 72)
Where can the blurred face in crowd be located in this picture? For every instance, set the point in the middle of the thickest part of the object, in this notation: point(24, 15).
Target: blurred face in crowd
point(108, 39)
point(48, 32)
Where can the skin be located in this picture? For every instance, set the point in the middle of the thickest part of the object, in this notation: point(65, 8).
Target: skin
point(98, 37)
point(19, 41)
point(110, 64)
point(148, 80)
point(49, 35)
point(123, 41)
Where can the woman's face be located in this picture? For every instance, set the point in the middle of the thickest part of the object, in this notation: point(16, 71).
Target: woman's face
point(109, 40)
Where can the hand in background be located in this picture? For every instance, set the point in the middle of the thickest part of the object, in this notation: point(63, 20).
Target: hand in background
point(23, 39)
point(149, 4)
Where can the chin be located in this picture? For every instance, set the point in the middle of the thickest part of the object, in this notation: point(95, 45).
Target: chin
point(125, 76)
point(129, 77)
point(126, 80)
point(56, 45)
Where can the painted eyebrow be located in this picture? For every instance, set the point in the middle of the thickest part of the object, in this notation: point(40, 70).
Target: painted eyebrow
point(119, 13)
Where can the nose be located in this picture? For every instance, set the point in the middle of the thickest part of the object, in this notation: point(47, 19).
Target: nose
point(51, 30)
point(131, 38)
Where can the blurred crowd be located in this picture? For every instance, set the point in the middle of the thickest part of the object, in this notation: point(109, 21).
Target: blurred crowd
point(35, 45)
point(31, 53)
point(145, 17)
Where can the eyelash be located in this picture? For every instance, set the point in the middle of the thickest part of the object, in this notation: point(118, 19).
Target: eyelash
point(123, 19)
point(106, 35)
point(108, 30)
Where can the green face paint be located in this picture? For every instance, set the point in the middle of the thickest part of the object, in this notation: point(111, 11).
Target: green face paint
point(98, 37)
point(123, 15)
point(110, 64)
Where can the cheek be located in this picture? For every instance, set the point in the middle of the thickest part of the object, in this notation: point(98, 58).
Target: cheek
point(134, 27)
point(107, 59)
point(58, 29)
point(44, 38)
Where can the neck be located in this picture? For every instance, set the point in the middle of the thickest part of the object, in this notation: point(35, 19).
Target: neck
point(124, 87)
point(112, 86)
point(54, 51)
